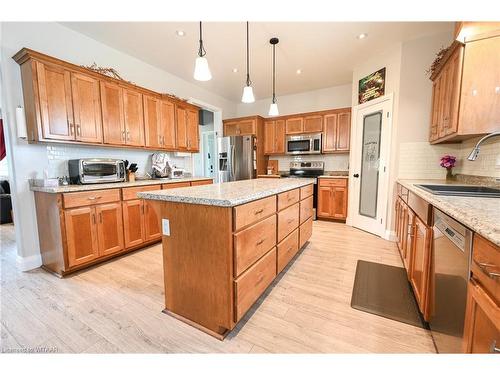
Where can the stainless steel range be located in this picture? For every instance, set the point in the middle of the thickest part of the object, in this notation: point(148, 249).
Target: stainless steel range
point(308, 169)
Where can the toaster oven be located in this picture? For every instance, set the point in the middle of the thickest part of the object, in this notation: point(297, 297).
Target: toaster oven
point(96, 171)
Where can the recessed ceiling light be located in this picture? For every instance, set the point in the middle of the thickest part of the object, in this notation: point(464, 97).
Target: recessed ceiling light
point(235, 70)
point(180, 32)
point(362, 36)
point(299, 71)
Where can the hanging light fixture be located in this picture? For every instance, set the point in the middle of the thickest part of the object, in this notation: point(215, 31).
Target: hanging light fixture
point(247, 90)
point(273, 108)
point(201, 69)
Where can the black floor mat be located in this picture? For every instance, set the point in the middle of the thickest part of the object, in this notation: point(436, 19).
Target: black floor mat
point(384, 290)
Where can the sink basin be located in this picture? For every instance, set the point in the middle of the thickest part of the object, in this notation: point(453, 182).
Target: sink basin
point(462, 190)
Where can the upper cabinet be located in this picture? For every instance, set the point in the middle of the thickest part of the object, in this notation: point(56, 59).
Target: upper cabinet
point(465, 91)
point(337, 131)
point(294, 125)
point(244, 126)
point(274, 137)
point(70, 104)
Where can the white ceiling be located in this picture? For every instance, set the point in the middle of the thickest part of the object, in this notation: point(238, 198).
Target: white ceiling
point(326, 52)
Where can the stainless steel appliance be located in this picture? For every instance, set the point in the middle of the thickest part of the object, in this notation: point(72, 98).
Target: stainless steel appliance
point(237, 158)
point(96, 171)
point(450, 270)
point(177, 172)
point(308, 169)
point(303, 144)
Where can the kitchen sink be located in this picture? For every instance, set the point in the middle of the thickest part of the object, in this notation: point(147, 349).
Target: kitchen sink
point(462, 190)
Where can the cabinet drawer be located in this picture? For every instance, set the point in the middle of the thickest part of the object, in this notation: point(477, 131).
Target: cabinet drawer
point(86, 198)
point(175, 185)
point(485, 262)
point(306, 209)
point(306, 191)
point(421, 207)
point(288, 220)
point(287, 249)
point(250, 244)
point(327, 182)
point(252, 212)
point(251, 284)
point(202, 182)
point(131, 192)
point(402, 192)
point(288, 198)
point(305, 232)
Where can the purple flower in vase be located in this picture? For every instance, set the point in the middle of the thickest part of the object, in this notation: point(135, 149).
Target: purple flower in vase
point(448, 161)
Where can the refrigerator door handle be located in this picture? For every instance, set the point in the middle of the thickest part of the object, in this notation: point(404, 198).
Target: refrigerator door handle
point(233, 154)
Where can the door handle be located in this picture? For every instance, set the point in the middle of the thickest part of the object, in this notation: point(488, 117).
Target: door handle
point(493, 347)
point(356, 175)
point(484, 268)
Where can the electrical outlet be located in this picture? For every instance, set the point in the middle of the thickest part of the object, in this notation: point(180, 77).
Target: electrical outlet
point(165, 224)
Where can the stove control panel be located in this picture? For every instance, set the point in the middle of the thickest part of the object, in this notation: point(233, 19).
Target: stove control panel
point(307, 165)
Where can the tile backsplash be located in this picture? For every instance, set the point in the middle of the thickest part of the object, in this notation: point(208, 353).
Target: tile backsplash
point(58, 155)
point(421, 160)
point(333, 162)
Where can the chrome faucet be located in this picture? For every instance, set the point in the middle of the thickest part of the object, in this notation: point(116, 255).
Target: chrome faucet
point(475, 151)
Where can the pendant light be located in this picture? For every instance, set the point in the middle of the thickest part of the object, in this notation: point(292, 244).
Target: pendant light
point(247, 90)
point(273, 108)
point(201, 69)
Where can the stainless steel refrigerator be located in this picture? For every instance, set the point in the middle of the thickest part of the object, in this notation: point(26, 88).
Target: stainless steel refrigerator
point(237, 158)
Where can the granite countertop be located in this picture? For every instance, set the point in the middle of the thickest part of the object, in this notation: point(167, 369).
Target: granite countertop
point(112, 185)
point(228, 194)
point(481, 215)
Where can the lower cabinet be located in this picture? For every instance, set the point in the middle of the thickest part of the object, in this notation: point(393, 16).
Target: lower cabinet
point(109, 228)
point(133, 216)
point(332, 198)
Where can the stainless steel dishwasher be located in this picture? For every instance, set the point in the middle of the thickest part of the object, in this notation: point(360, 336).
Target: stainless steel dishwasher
point(450, 271)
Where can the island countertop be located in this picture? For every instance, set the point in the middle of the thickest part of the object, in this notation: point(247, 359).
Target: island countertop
point(228, 194)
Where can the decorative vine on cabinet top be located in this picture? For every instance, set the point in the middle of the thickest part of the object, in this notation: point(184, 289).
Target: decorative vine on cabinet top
point(466, 91)
point(71, 104)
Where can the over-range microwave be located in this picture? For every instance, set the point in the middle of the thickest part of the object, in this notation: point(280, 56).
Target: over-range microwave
point(96, 171)
point(303, 144)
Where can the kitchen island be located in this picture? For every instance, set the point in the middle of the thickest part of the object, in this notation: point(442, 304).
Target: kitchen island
point(224, 244)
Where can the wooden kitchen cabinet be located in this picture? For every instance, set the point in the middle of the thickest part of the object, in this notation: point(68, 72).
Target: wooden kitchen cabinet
point(133, 218)
point(152, 228)
point(294, 125)
point(81, 235)
point(109, 228)
point(112, 113)
point(410, 229)
point(274, 137)
point(313, 124)
point(332, 198)
point(420, 263)
point(240, 127)
point(86, 108)
point(337, 130)
point(66, 103)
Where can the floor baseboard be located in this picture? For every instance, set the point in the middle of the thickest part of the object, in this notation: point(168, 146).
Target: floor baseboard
point(29, 263)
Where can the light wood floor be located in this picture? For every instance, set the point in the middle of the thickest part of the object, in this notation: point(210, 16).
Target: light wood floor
point(116, 306)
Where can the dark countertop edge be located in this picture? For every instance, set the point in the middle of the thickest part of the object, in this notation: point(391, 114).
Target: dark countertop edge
point(91, 187)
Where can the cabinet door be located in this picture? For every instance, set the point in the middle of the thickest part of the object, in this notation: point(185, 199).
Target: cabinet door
point(56, 110)
point(193, 141)
point(419, 271)
point(167, 119)
point(86, 108)
point(339, 202)
point(403, 223)
point(480, 100)
point(436, 88)
point(109, 228)
point(343, 134)
point(152, 124)
point(279, 136)
point(325, 201)
point(134, 117)
point(410, 234)
point(397, 218)
point(133, 222)
point(313, 124)
point(247, 127)
point(151, 222)
point(330, 133)
point(231, 128)
point(294, 125)
point(269, 139)
point(113, 121)
point(81, 235)
point(453, 91)
point(181, 119)
point(482, 322)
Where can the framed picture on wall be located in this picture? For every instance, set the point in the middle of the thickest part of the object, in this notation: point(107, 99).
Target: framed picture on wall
point(372, 86)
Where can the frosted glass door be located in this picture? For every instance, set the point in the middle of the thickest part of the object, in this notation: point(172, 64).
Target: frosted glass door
point(370, 161)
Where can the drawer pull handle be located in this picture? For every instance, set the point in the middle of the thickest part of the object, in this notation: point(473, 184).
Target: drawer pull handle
point(484, 268)
point(261, 277)
point(259, 211)
point(260, 241)
point(493, 347)
point(93, 198)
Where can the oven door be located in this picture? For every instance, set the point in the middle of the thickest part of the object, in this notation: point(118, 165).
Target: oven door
point(92, 172)
point(298, 145)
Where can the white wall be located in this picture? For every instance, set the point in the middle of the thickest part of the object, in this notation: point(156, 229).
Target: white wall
point(28, 161)
point(308, 101)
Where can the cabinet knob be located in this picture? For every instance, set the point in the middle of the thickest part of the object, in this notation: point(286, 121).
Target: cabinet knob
point(356, 175)
point(493, 347)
